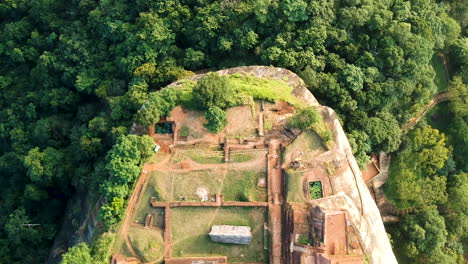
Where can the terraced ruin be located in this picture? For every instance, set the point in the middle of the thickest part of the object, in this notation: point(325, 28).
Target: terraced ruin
point(299, 191)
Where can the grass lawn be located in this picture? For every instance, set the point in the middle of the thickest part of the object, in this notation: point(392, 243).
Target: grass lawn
point(237, 156)
point(147, 243)
point(233, 184)
point(242, 186)
point(144, 206)
point(157, 157)
point(201, 154)
point(171, 185)
point(295, 186)
point(120, 247)
point(263, 89)
point(244, 155)
point(309, 143)
point(190, 228)
point(441, 78)
point(259, 88)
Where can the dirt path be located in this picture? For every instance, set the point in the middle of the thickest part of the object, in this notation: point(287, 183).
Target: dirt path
point(441, 97)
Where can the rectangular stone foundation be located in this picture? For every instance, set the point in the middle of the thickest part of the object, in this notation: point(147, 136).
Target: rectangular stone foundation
point(231, 234)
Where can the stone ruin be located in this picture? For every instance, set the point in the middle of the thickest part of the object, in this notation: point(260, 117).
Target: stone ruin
point(231, 234)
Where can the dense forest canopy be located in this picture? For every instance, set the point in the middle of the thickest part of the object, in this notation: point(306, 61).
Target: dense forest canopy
point(73, 74)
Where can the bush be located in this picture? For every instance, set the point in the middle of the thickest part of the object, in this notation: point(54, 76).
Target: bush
point(102, 248)
point(303, 239)
point(315, 189)
point(216, 118)
point(243, 197)
point(305, 118)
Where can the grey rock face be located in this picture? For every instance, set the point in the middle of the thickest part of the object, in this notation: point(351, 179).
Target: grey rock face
point(231, 234)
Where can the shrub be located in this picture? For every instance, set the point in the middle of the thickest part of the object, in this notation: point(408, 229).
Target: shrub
point(315, 189)
point(243, 197)
point(305, 118)
point(303, 239)
point(216, 118)
point(102, 248)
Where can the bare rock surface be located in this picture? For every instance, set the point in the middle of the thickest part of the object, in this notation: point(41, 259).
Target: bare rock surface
point(231, 234)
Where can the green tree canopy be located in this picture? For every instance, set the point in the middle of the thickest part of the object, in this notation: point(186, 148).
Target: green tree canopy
point(79, 254)
point(214, 90)
point(216, 119)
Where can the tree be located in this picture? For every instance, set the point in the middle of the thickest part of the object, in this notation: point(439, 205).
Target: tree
point(193, 58)
point(413, 178)
point(148, 115)
point(352, 77)
point(216, 119)
point(45, 166)
point(458, 193)
point(214, 90)
point(295, 11)
point(79, 254)
point(431, 149)
point(16, 228)
point(424, 233)
point(112, 212)
point(384, 131)
point(459, 97)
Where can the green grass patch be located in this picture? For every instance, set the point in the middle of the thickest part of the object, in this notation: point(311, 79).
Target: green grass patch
point(267, 125)
point(184, 131)
point(157, 157)
point(263, 89)
point(201, 154)
point(235, 185)
point(172, 185)
point(258, 88)
point(303, 239)
point(440, 79)
point(315, 190)
point(190, 228)
point(147, 243)
point(144, 206)
point(241, 156)
point(120, 247)
point(309, 143)
point(242, 186)
point(295, 186)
